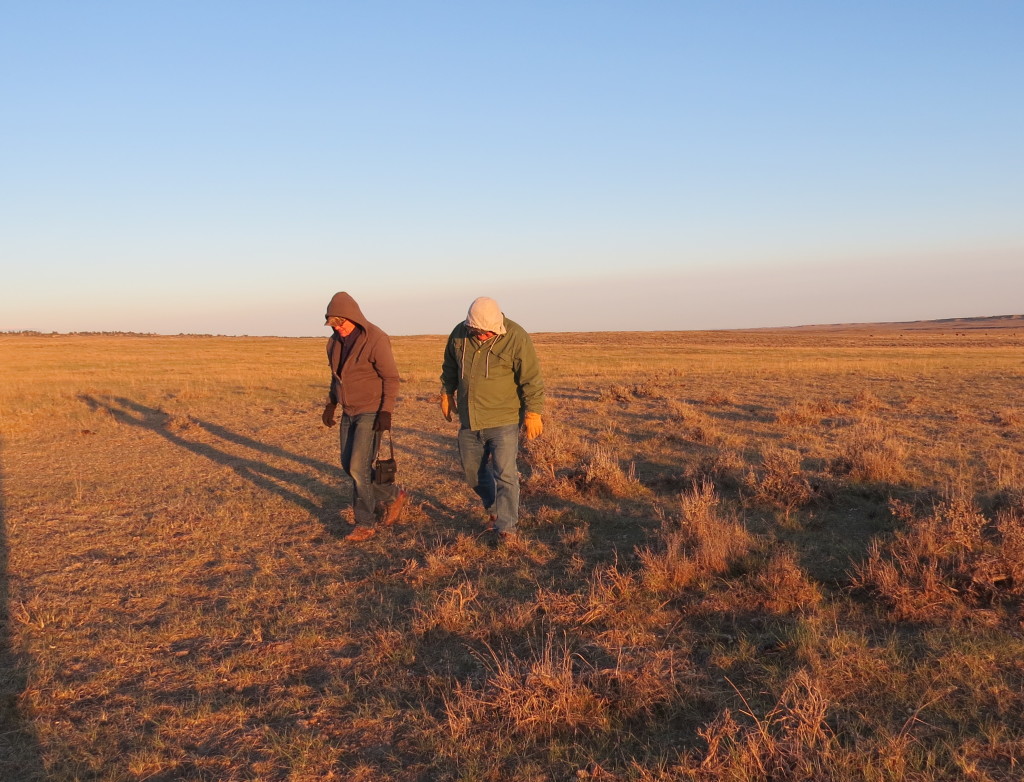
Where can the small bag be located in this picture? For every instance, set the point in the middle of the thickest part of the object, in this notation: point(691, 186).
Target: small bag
point(384, 470)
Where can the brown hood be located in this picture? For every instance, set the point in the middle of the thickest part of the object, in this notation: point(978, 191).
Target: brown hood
point(344, 306)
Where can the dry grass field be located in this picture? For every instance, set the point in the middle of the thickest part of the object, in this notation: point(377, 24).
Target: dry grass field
point(763, 555)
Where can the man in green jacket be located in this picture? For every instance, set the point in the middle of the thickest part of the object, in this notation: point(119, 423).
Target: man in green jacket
point(364, 381)
point(491, 379)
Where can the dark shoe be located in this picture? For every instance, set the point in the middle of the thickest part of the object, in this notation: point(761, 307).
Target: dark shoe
point(490, 537)
point(394, 511)
point(507, 537)
point(359, 534)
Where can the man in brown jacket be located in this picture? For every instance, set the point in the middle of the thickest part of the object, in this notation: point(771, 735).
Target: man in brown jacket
point(364, 381)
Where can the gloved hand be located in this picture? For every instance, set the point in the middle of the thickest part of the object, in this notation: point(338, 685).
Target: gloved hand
point(448, 405)
point(382, 423)
point(534, 425)
point(328, 415)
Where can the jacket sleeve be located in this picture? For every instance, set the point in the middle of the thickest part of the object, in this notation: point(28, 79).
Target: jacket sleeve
point(450, 366)
point(387, 369)
point(332, 394)
point(529, 381)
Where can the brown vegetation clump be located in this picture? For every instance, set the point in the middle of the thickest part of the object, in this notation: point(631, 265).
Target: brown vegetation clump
point(866, 401)
point(641, 681)
point(702, 542)
point(557, 693)
point(1009, 417)
point(783, 587)
point(601, 472)
point(563, 464)
point(948, 562)
point(548, 693)
point(799, 413)
point(615, 599)
point(719, 537)
point(779, 484)
point(792, 742)
point(871, 453)
point(626, 392)
point(723, 467)
point(454, 610)
point(697, 425)
point(552, 462)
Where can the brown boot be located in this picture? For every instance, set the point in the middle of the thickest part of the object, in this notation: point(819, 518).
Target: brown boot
point(394, 511)
point(359, 534)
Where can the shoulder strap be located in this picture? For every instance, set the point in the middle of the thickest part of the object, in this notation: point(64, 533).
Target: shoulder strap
point(391, 445)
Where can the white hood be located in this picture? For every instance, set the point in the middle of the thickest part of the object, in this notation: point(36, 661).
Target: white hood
point(485, 314)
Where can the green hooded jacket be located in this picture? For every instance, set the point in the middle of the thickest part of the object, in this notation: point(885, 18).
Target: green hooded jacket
point(495, 382)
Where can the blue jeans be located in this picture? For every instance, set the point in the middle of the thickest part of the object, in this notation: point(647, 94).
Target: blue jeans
point(489, 461)
point(359, 445)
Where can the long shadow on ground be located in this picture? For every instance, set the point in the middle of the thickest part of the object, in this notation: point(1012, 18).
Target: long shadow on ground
point(20, 755)
point(275, 480)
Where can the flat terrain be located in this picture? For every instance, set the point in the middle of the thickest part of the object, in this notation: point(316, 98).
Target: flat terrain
point(765, 555)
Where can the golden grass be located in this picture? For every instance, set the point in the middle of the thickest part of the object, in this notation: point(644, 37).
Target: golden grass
point(745, 556)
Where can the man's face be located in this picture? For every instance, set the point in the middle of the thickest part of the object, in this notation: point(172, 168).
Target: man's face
point(480, 334)
point(342, 326)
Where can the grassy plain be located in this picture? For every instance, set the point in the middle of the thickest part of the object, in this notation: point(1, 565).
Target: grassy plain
point(774, 555)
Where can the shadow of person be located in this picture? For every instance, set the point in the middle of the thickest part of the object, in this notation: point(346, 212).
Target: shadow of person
point(272, 450)
point(20, 756)
point(291, 485)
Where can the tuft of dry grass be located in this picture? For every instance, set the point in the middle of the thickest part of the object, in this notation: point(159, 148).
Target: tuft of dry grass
point(792, 741)
point(546, 694)
point(702, 543)
point(949, 562)
point(779, 484)
point(783, 587)
point(872, 452)
point(698, 426)
point(602, 472)
point(1008, 417)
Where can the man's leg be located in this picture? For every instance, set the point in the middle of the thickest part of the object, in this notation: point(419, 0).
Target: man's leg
point(474, 453)
point(357, 451)
point(503, 444)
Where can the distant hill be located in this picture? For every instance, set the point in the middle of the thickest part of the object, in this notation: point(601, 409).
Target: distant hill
point(988, 323)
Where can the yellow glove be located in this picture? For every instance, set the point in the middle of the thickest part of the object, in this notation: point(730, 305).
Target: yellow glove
point(534, 425)
point(328, 414)
point(448, 405)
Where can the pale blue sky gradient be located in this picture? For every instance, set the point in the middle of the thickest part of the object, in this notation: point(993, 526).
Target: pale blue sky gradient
point(224, 167)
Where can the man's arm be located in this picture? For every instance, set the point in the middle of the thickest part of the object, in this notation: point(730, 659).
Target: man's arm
point(529, 381)
point(327, 416)
point(450, 367)
point(332, 345)
point(384, 363)
point(449, 379)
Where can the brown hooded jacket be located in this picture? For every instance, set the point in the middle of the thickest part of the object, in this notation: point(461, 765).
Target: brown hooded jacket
point(367, 380)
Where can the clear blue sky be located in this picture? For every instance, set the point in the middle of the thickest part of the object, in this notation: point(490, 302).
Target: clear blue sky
point(224, 167)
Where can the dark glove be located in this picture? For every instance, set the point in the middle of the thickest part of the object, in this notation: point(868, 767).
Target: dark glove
point(382, 423)
point(328, 415)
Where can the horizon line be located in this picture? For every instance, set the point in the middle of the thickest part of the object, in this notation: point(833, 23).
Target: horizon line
point(981, 320)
